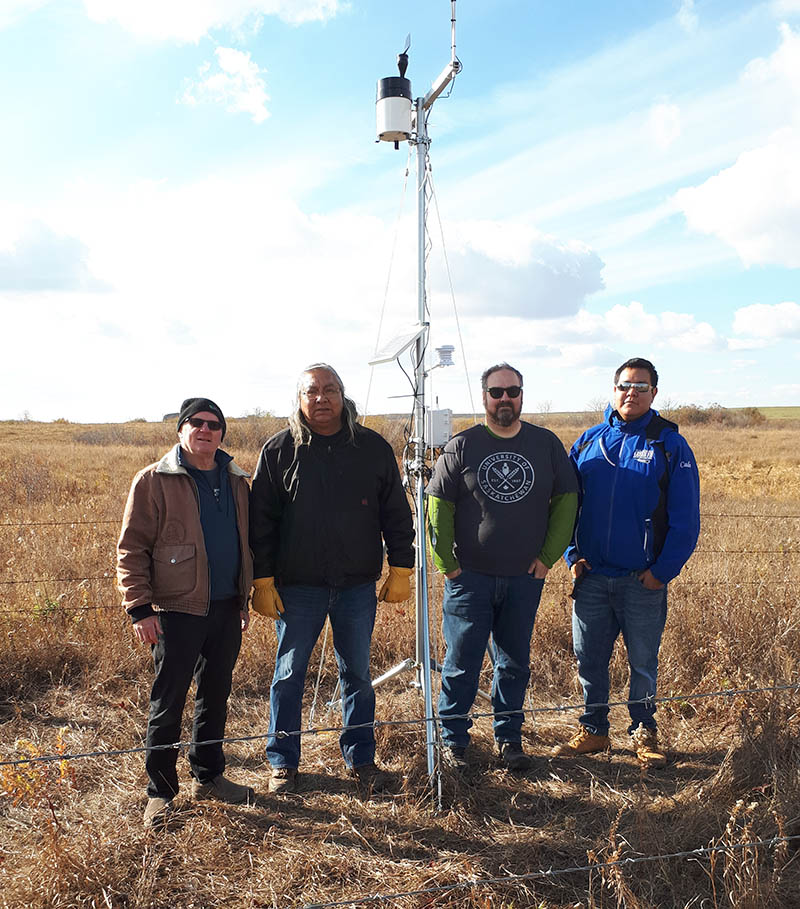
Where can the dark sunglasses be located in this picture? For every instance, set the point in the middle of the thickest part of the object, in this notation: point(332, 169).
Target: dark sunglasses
point(513, 391)
point(197, 423)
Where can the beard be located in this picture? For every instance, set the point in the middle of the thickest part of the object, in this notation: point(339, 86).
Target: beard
point(505, 414)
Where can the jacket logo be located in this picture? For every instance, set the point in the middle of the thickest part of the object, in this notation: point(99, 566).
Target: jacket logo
point(505, 477)
point(685, 464)
point(645, 455)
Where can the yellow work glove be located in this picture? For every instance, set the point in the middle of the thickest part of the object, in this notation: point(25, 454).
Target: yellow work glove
point(266, 600)
point(397, 586)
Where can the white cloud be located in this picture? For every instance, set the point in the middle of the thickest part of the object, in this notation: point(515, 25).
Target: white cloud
point(687, 17)
point(664, 123)
point(40, 259)
point(769, 322)
point(754, 205)
point(782, 66)
point(190, 20)
point(737, 344)
point(632, 323)
point(236, 82)
point(517, 271)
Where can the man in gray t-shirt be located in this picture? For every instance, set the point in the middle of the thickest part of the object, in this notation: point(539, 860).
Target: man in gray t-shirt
point(501, 508)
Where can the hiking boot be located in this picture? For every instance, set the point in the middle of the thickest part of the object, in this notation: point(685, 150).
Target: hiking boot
point(648, 752)
point(455, 757)
point(370, 778)
point(513, 757)
point(583, 742)
point(223, 790)
point(156, 813)
point(283, 779)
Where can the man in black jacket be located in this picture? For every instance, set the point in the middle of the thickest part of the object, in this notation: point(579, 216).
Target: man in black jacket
point(324, 493)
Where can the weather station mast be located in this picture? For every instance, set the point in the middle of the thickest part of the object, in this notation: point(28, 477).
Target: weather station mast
point(403, 119)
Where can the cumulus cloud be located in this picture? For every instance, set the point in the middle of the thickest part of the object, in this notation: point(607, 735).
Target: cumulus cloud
point(770, 322)
point(687, 17)
point(664, 123)
point(516, 271)
point(632, 323)
point(782, 66)
point(754, 205)
point(235, 81)
point(737, 344)
point(41, 259)
point(190, 20)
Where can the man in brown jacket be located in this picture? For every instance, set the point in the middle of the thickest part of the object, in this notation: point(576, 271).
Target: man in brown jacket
point(185, 570)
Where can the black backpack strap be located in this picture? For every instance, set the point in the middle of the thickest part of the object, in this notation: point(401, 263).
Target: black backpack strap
point(657, 425)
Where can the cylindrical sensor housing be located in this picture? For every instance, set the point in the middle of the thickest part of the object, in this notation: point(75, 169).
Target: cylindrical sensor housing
point(393, 109)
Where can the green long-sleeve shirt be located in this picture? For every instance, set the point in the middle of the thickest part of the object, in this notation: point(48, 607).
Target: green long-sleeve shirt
point(501, 502)
point(442, 530)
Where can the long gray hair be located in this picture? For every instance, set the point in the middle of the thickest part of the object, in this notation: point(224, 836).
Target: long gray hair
point(298, 427)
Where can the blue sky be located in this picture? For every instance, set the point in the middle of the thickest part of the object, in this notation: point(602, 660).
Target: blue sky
point(192, 200)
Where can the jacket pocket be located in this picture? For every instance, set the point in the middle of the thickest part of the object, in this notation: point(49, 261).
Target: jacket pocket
point(174, 570)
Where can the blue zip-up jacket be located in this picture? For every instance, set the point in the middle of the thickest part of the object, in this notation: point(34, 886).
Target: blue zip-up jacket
point(639, 497)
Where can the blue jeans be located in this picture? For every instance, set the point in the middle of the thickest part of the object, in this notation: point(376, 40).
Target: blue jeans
point(604, 607)
point(352, 614)
point(475, 606)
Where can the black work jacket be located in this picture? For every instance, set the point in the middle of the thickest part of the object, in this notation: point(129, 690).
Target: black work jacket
point(318, 512)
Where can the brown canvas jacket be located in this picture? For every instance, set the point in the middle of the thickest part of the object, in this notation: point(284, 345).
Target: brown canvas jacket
point(161, 554)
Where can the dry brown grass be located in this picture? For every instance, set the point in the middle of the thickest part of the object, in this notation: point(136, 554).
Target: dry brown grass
point(73, 679)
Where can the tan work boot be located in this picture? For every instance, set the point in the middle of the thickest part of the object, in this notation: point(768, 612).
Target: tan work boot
point(156, 813)
point(648, 752)
point(583, 742)
point(283, 779)
point(223, 790)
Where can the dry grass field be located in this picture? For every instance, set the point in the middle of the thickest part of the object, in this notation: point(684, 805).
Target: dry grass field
point(74, 681)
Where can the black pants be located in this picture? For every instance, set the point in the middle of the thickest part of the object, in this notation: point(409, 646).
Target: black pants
point(206, 648)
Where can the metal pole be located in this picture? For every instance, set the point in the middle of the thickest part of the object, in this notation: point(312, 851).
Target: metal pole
point(423, 633)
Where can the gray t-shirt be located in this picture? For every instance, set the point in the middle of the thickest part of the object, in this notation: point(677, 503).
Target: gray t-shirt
point(502, 490)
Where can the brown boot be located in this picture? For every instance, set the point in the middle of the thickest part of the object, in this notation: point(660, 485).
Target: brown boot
point(648, 752)
point(283, 779)
point(157, 812)
point(370, 778)
point(583, 742)
point(223, 790)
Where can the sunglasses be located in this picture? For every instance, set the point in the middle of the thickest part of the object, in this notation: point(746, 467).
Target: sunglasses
point(197, 423)
point(496, 392)
point(641, 387)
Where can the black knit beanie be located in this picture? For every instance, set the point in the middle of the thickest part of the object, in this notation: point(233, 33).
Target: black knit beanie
point(191, 406)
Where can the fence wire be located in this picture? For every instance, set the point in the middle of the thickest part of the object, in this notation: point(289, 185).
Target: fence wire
point(56, 523)
point(377, 724)
point(117, 521)
point(508, 879)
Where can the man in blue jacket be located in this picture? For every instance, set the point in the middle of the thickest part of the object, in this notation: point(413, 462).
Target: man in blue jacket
point(638, 523)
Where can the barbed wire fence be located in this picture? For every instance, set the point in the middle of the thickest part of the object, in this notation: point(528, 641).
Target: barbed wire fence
point(463, 883)
point(550, 873)
point(377, 724)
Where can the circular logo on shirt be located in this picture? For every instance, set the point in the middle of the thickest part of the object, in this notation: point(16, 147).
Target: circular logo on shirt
point(505, 476)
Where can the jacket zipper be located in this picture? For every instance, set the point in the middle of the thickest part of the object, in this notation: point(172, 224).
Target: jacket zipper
point(613, 489)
